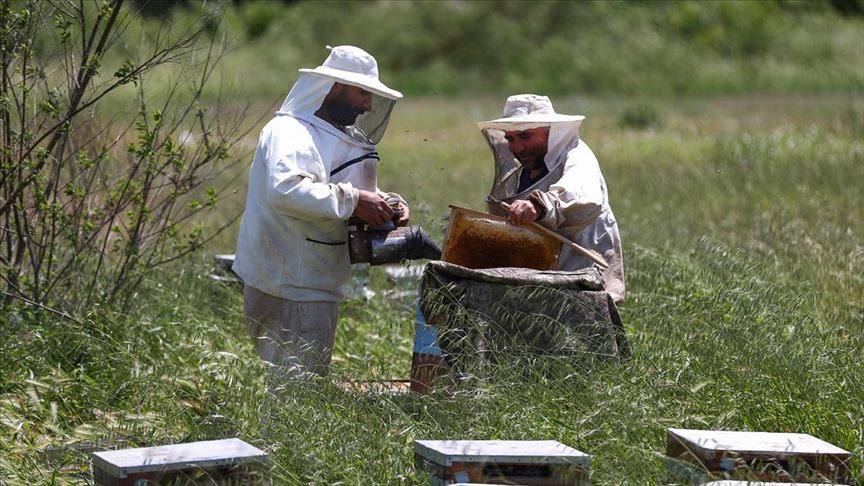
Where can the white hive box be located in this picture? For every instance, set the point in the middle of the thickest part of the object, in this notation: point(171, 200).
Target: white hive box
point(761, 483)
point(525, 462)
point(218, 462)
point(759, 456)
point(222, 269)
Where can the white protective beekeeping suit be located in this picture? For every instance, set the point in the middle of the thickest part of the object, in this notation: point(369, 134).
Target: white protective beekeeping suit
point(304, 182)
point(572, 193)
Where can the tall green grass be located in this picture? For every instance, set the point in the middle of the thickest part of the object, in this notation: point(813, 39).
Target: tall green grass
point(741, 226)
point(740, 216)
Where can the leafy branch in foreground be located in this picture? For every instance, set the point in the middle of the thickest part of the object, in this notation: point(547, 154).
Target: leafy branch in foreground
point(89, 203)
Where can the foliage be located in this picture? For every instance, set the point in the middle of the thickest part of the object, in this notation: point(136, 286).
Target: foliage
point(740, 220)
point(86, 207)
point(590, 47)
point(112, 380)
point(641, 116)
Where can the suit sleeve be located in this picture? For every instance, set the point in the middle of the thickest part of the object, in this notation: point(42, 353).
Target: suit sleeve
point(575, 200)
point(298, 181)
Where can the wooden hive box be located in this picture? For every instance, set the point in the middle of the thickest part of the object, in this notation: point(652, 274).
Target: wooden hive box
point(749, 483)
point(481, 240)
point(217, 462)
point(376, 387)
point(525, 462)
point(762, 456)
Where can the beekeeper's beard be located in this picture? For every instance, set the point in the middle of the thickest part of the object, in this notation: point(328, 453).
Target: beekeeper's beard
point(533, 158)
point(341, 112)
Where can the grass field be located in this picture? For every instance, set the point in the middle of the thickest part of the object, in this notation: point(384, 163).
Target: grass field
point(741, 222)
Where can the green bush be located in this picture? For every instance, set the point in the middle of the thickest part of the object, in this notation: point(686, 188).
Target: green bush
point(258, 17)
point(641, 116)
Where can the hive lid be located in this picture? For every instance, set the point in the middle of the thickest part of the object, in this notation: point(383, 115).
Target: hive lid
point(757, 443)
point(762, 483)
point(588, 278)
point(204, 454)
point(447, 452)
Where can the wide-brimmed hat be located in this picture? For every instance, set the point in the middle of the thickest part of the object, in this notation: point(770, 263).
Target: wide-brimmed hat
point(526, 110)
point(354, 66)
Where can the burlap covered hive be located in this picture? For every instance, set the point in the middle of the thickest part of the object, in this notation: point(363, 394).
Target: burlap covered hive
point(496, 309)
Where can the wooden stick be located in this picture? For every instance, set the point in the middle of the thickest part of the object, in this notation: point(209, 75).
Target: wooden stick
point(589, 254)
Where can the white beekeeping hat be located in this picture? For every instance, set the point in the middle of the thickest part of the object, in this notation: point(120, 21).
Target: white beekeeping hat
point(528, 111)
point(354, 66)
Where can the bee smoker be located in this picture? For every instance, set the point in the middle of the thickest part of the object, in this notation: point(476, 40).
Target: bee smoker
point(377, 245)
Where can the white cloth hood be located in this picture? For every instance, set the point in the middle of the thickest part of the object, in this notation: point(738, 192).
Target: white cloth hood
point(346, 65)
point(522, 112)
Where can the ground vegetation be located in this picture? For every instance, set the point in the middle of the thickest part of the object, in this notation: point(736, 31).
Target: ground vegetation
point(730, 135)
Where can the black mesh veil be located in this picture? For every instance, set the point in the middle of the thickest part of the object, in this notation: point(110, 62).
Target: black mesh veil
point(370, 126)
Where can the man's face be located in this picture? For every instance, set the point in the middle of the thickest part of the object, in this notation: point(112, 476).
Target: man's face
point(344, 103)
point(529, 146)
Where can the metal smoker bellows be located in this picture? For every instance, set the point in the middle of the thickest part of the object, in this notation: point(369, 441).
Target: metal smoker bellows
point(388, 244)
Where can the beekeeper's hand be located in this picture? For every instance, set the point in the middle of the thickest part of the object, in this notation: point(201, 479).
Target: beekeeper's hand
point(373, 209)
point(404, 215)
point(522, 212)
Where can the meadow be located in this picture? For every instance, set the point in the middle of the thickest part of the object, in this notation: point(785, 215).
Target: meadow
point(744, 262)
point(740, 214)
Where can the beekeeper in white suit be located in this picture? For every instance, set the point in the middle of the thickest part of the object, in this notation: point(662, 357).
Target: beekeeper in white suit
point(315, 166)
point(549, 175)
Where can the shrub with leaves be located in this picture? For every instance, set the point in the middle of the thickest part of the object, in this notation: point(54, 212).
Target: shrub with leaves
point(88, 205)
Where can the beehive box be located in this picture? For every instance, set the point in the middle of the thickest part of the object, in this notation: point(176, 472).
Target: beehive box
point(222, 271)
point(480, 240)
point(525, 462)
point(376, 387)
point(763, 456)
point(216, 462)
point(760, 483)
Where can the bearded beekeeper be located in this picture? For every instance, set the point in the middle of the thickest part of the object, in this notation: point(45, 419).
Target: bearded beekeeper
point(548, 175)
point(315, 166)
